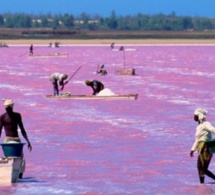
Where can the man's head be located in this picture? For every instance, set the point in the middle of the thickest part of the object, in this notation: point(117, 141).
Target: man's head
point(8, 104)
point(65, 76)
point(87, 82)
point(200, 115)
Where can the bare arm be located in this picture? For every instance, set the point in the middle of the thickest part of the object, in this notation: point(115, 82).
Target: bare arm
point(24, 134)
point(63, 83)
point(1, 126)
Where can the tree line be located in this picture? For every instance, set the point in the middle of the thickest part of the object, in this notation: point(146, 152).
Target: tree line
point(139, 21)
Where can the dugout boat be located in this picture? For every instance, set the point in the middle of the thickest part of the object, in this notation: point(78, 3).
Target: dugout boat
point(94, 97)
point(56, 55)
point(12, 162)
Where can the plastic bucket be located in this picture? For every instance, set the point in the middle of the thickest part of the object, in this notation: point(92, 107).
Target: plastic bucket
point(12, 149)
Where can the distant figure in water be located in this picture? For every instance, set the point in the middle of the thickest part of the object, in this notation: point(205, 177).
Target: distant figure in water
point(11, 120)
point(102, 70)
point(58, 79)
point(204, 132)
point(97, 86)
point(112, 45)
point(31, 50)
point(121, 48)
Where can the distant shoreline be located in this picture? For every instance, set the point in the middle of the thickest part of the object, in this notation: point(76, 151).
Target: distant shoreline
point(117, 42)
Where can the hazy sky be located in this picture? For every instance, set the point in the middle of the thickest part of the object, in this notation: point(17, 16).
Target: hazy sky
point(104, 7)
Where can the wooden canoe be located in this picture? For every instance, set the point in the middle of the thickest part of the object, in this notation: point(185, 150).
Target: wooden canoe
point(56, 55)
point(93, 97)
point(128, 49)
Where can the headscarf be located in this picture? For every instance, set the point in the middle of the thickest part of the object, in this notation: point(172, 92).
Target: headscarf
point(8, 103)
point(201, 113)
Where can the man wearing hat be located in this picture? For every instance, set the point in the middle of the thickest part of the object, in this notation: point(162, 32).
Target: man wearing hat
point(204, 132)
point(58, 79)
point(97, 86)
point(11, 120)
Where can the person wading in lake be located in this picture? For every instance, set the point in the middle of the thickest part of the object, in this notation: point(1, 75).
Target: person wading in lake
point(97, 86)
point(204, 132)
point(11, 120)
point(31, 50)
point(58, 79)
point(102, 70)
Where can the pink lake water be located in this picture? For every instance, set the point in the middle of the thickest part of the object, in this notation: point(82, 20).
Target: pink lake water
point(111, 146)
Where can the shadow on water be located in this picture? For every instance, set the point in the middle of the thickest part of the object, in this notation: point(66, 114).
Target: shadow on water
point(30, 180)
point(210, 183)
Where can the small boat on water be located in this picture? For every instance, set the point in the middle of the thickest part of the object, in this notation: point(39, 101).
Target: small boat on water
point(128, 49)
point(12, 162)
point(94, 97)
point(56, 55)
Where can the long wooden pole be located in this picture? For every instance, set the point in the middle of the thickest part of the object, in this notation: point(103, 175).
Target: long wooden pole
point(74, 74)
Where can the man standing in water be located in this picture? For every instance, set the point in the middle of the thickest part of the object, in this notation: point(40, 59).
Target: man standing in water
point(11, 120)
point(204, 132)
point(31, 50)
point(58, 79)
point(102, 70)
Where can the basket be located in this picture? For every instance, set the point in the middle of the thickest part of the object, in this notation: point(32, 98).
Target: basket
point(211, 145)
point(12, 149)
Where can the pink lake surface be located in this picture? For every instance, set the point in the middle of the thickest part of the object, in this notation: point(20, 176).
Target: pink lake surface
point(111, 146)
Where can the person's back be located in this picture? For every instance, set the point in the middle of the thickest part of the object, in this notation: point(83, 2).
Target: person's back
point(102, 70)
point(96, 85)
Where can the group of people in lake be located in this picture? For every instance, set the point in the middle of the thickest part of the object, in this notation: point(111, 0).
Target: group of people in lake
point(11, 121)
point(3, 44)
point(59, 80)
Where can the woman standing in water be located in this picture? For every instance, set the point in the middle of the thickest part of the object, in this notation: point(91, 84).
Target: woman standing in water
point(204, 132)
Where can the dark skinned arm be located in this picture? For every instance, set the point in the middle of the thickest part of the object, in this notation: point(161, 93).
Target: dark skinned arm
point(24, 134)
point(1, 126)
point(63, 84)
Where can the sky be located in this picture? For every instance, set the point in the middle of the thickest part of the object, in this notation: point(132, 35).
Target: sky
point(204, 8)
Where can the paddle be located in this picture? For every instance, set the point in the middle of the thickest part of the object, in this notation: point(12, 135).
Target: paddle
point(25, 53)
point(73, 74)
point(70, 78)
point(97, 69)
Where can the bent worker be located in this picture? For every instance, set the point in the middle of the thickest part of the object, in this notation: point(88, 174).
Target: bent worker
point(204, 132)
point(31, 50)
point(11, 120)
point(58, 79)
point(102, 70)
point(97, 86)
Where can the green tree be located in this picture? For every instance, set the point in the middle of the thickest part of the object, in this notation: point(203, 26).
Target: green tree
point(68, 20)
point(1, 21)
point(44, 22)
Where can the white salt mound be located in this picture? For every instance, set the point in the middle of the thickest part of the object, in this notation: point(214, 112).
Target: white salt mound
point(106, 92)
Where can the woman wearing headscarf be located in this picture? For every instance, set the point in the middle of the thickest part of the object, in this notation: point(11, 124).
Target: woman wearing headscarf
point(204, 132)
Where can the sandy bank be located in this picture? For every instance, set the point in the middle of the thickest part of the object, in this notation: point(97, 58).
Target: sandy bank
point(109, 41)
